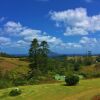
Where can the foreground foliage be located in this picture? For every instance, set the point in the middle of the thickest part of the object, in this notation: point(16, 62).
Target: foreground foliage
point(71, 79)
point(15, 92)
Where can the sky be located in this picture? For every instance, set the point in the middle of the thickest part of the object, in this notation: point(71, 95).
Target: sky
point(69, 26)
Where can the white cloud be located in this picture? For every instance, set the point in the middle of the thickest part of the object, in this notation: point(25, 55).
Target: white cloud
point(83, 42)
point(26, 35)
point(13, 28)
point(75, 31)
point(30, 32)
point(49, 39)
point(21, 43)
point(76, 21)
point(73, 45)
point(88, 41)
point(5, 41)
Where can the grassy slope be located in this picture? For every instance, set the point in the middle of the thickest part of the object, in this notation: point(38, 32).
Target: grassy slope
point(84, 91)
point(9, 64)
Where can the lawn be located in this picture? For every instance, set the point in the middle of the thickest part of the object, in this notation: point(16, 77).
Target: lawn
point(85, 90)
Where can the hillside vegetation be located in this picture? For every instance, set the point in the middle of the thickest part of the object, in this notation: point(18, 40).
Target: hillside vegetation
point(16, 64)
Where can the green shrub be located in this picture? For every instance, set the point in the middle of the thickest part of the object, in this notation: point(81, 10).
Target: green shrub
point(4, 83)
point(71, 79)
point(88, 75)
point(32, 81)
point(19, 82)
point(15, 92)
point(85, 74)
point(96, 75)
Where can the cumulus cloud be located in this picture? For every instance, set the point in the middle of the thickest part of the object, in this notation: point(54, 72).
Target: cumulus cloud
point(13, 28)
point(88, 41)
point(76, 21)
point(83, 42)
point(30, 32)
point(5, 41)
point(73, 45)
point(25, 35)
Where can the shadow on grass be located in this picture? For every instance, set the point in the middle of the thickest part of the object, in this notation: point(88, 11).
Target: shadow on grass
point(69, 85)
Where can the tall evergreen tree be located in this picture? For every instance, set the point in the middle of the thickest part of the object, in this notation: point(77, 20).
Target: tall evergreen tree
point(38, 55)
point(33, 56)
point(44, 49)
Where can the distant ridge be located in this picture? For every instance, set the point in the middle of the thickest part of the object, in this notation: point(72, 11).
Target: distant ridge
point(50, 54)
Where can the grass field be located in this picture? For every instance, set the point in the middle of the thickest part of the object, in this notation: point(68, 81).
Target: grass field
point(85, 90)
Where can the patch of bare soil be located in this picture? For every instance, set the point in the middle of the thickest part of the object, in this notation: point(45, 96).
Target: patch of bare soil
point(97, 97)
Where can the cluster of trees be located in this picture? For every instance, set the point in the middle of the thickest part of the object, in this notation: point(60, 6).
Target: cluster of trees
point(41, 64)
point(38, 57)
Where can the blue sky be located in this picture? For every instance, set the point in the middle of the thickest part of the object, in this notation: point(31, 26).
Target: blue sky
point(69, 26)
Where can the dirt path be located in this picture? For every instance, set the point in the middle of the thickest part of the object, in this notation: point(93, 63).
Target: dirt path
point(86, 95)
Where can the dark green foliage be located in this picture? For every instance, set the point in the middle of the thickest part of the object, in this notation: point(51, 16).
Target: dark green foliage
point(15, 92)
point(71, 79)
point(96, 74)
point(84, 74)
point(88, 75)
point(76, 66)
point(98, 58)
point(33, 81)
point(19, 82)
point(5, 83)
point(38, 55)
point(33, 54)
point(88, 59)
point(43, 55)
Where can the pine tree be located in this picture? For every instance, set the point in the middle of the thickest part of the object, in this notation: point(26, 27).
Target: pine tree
point(38, 55)
point(33, 57)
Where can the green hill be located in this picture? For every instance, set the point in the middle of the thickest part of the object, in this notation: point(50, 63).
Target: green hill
point(85, 90)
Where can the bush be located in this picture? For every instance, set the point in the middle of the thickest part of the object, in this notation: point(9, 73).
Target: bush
point(32, 81)
point(15, 92)
point(19, 82)
point(4, 83)
point(71, 79)
point(96, 75)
